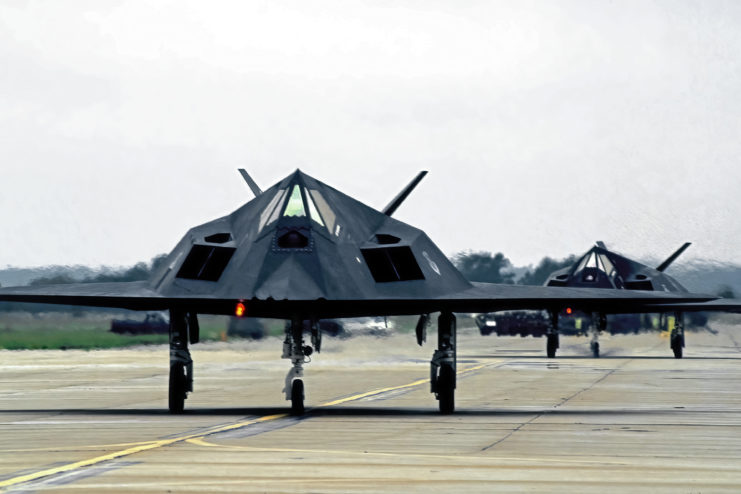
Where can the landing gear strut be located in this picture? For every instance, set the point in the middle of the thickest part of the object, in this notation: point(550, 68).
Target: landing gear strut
point(599, 324)
point(294, 349)
point(677, 335)
point(183, 327)
point(443, 365)
point(551, 334)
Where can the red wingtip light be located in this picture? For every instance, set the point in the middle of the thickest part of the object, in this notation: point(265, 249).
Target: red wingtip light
point(568, 310)
point(240, 310)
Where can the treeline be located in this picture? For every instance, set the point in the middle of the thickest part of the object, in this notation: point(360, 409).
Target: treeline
point(138, 272)
point(487, 267)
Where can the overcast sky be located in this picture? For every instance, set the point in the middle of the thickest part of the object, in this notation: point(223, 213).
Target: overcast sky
point(545, 125)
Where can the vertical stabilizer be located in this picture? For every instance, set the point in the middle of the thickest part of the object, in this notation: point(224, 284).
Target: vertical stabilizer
point(251, 183)
point(396, 202)
point(673, 257)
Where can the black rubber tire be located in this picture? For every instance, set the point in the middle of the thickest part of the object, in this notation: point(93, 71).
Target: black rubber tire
point(551, 346)
point(446, 389)
point(677, 345)
point(297, 397)
point(176, 391)
point(595, 350)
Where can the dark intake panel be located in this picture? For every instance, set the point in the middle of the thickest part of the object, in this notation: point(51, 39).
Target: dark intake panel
point(205, 262)
point(392, 264)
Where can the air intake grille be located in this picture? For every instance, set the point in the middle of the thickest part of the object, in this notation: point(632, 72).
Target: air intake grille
point(205, 262)
point(392, 264)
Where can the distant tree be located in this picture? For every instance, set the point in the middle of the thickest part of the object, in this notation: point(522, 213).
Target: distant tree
point(544, 268)
point(57, 279)
point(138, 272)
point(484, 266)
point(726, 292)
point(157, 262)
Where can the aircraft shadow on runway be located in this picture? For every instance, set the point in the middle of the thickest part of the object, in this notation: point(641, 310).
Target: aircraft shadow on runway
point(340, 411)
point(605, 356)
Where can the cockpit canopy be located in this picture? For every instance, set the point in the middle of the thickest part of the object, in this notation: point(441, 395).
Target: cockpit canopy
point(298, 201)
point(601, 268)
point(595, 267)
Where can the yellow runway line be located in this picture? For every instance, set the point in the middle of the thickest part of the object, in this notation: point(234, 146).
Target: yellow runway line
point(199, 436)
point(394, 388)
point(76, 448)
point(131, 451)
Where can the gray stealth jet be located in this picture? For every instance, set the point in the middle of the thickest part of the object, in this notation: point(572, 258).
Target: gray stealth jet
point(303, 251)
point(603, 268)
point(600, 267)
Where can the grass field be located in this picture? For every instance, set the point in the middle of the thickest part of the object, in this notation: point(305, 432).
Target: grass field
point(61, 331)
point(91, 330)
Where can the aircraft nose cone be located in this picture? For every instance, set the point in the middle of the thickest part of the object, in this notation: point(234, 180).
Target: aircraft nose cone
point(290, 280)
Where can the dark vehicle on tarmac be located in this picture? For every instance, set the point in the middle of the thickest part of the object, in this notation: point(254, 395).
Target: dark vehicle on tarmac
point(153, 323)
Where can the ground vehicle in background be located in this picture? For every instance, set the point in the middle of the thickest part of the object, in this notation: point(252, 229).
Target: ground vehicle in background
point(535, 323)
point(153, 323)
point(373, 326)
point(256, 328)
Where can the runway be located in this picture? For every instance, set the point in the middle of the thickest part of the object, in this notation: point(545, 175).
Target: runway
point(634, 420)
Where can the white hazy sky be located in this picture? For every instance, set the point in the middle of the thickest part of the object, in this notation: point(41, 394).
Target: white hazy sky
point(546, 125)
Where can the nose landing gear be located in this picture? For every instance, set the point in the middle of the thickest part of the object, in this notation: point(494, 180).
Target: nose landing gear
point(599, 324)
point(295, 350)
point(677, 335)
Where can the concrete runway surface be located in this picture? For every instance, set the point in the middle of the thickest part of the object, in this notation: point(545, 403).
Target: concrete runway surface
point(635, 420)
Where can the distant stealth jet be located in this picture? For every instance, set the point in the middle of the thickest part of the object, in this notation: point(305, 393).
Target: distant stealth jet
point(599, 267)
point(602, 268)
point(303, 251)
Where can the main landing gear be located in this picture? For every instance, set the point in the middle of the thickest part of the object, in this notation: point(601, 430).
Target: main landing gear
point(183, 329)
point(295, 350)
point(443, 365)
point(676, 341)
point(551, 334)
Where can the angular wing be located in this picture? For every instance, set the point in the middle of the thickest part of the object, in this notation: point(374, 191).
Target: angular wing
point(481, 297)
point(487, 297)
point(717, 305)
point(135, 295)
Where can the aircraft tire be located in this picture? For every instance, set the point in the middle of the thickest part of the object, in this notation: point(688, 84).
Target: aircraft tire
point(446, 389)
point(176, 392)
point(551, 346)
point(595, 350)
point(677, 345)
point(297, 397)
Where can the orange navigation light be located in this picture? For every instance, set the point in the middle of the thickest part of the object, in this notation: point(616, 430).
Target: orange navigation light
point(240, 310)
point(568, 310)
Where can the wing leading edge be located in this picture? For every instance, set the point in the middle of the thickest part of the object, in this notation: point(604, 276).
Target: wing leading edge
point(481, 297)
